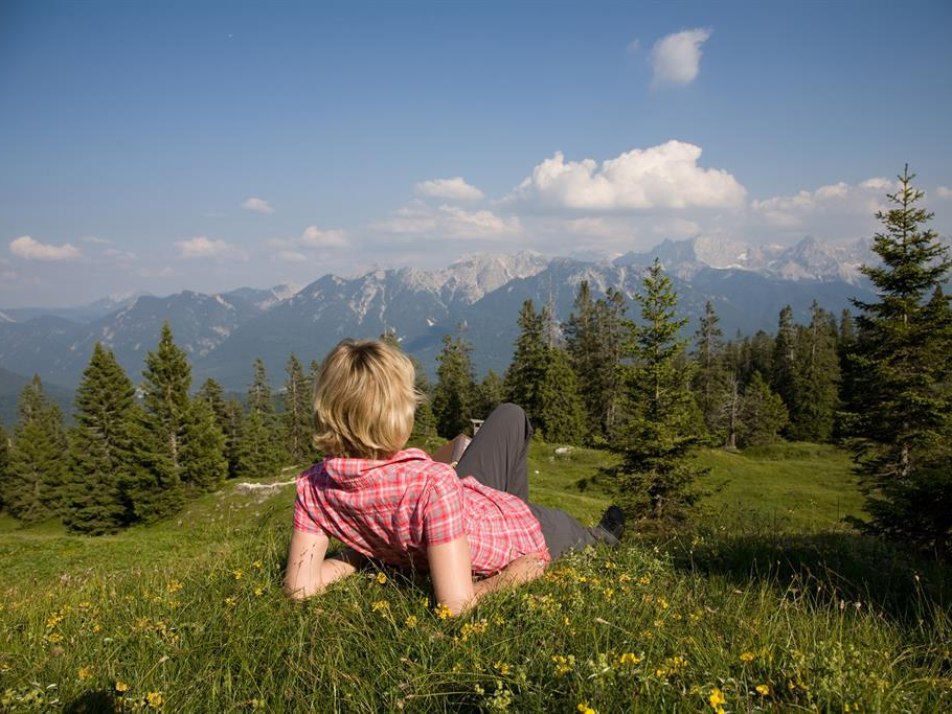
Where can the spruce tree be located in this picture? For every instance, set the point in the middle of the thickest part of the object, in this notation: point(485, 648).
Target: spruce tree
point(563, 418)
point(655, 477)
point(903, 393)
point(593, 341)
point(711, 378)
point(489, 394)
point(454, 395)
point(103, 468)
point(297, 419)
point(525, 378)
point(785, 377)
point(205, 465)
point(38, 465)
point(819, 375)
point(260, 451)
point(762, 414)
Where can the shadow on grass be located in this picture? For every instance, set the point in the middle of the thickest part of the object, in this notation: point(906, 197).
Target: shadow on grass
point(829, 568)
point(92, 702)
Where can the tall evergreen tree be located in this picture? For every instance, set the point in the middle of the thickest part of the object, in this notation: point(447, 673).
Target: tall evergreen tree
point(902, 406)
point(454, 395)
point(711, 377)
point(815, 405)
point(260, 451)
point(762, 414)
point(563, 418)
point(103, 468)
point(167, 378)
point(594, 336)
point(297, 417)
point(784, 378)
point(525, 378)
point(656, 473)
point(38, 465)
point(490, 393)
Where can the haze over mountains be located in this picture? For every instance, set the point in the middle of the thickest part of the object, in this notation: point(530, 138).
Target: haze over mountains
point(223, 333)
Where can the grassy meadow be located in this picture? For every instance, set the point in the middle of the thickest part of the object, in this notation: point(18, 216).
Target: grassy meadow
point(765, 601)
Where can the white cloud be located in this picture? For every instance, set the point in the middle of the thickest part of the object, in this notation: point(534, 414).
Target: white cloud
point(798, 210)
point(660, 177)
point(291, 256)
point(943, 192)
point(313, 237)
point(258, 205)
point(453, 189)
point(447, 221)
point(93, 240)
point(30, 249)
point(633, 46)
point(676, 58)
point(201, 247)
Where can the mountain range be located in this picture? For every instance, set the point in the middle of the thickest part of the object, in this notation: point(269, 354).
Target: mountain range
point(480, 294)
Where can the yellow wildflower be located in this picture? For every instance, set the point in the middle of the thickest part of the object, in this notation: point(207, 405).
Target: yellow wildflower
point(85, 672)
point(237, 574)
point(442, 612)
point(155, 700)
point(380, 605)
point(746, 657)
point(174, 586)
point(629, 658)
point(502, 667)
point(411, 622)
point(230, 601)
point(763, 690)
point(121, 686)
point(717, 700)
point(381, 578)
point(259, 591)
point(609, 593)
point(563, 665)
point(257, 566)
point(584, 708)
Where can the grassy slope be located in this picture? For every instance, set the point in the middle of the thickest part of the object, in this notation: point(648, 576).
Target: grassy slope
point(757, 595)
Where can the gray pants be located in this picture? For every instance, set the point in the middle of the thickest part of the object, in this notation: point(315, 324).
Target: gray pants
point(497, 457)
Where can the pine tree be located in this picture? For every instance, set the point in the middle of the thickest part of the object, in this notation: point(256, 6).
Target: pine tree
point(818, 379)
point(593, 335)
point(711, 378)
point(525, 378)
point(903, 398)
point(762, 415)
point(454, 395)
point(38, 464)
point(784, 378)
point(563, 418)
point(489, 394)
point(656, 473)
point(204, 463)
point(297, 418)
point(102, 464)
point(259, 453)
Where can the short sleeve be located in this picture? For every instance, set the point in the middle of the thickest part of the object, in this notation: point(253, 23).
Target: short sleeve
point(304, 506)
point(442, 508)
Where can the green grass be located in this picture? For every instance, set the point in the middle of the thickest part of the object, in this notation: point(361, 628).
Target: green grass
point(190, 612)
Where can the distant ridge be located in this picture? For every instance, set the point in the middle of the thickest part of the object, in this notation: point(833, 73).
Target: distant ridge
point(223, 333)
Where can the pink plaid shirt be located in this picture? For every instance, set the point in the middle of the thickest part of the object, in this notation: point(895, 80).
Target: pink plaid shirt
point(392, 510)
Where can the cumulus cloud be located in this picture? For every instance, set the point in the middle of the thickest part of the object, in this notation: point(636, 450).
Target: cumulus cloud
point(797, 211)
point(448, 221)
point(660, 177)
point(258, 205)
point(313, 237)
point(452, 189)
point(676, 58)
point(201, 247)
point(30, 249)
point(943, 192)
point(291, 256)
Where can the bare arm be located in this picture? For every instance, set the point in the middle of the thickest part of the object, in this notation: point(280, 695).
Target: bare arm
point(308, 571)
point(451, 572)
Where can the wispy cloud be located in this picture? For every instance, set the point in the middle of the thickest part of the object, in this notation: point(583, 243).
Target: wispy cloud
point(943, 192)
point(452, 189)
point(258, 205)
point(201, 247)
point(30, 249)
point(448, 221)
point(659, 177)
point(676, 58)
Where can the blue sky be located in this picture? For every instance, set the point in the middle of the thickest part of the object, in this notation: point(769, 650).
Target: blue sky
point(159, 146)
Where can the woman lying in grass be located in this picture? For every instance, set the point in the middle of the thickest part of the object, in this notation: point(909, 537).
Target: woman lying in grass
point(399, 506)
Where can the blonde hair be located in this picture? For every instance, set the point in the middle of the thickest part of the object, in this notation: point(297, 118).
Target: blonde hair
point(364, 400)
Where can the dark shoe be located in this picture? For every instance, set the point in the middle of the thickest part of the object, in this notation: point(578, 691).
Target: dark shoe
point(613, 521)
